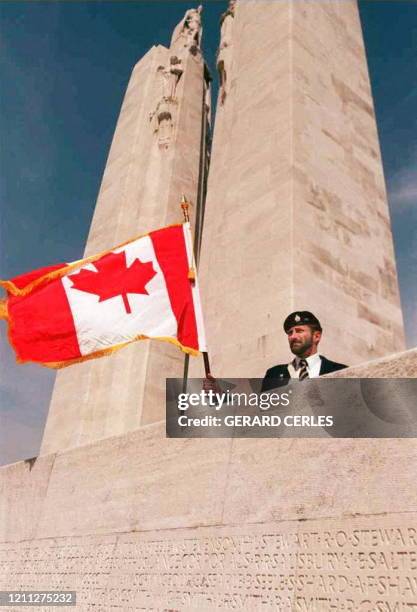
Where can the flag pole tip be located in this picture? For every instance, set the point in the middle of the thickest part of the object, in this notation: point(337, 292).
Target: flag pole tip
point(185, 206)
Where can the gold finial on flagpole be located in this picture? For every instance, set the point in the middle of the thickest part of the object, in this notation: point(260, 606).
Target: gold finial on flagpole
point(185, 206)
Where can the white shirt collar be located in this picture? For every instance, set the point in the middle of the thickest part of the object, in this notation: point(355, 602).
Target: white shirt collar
point(312, 360)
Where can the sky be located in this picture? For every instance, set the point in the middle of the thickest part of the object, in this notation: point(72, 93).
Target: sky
point(64, 68)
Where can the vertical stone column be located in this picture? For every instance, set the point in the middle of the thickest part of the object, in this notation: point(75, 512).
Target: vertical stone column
point(154, 159)
point(344, 262)
point(296, 211)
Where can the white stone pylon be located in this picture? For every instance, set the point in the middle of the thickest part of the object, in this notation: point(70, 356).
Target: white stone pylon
point(154, 159)
point(296, 211)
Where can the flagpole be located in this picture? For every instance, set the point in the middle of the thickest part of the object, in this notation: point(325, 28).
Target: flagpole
point(206, 364)
point(185, 206)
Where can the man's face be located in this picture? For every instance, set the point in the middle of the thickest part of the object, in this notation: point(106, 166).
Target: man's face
point(303, 340)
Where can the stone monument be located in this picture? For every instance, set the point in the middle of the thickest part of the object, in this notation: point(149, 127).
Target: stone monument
point(295, 217)
point(154, 158)
point(296, 212)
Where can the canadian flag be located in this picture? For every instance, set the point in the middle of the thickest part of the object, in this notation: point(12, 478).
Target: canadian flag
point(142, 289)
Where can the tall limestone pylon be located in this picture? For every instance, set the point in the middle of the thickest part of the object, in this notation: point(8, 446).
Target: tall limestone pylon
point(155, 156)
point(296, 211)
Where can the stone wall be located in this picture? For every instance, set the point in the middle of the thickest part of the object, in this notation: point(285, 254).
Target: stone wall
point(141, 521)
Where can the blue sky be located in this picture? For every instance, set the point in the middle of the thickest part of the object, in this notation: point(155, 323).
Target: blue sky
point(64, 70)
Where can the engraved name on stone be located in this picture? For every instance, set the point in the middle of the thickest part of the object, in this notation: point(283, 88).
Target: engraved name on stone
point(356, 569)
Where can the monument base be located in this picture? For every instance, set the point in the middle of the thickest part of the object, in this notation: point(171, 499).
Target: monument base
point(141, 522)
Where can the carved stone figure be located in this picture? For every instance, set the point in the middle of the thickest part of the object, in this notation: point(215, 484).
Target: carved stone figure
point(163, 122)
point(188, 33)
point(224, 56)
point(170, 77)
point(162, 118)
point(207, 96)
point(192, 26)
point(176, 72)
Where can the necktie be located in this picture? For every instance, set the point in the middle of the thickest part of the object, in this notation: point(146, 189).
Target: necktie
point(303, 370)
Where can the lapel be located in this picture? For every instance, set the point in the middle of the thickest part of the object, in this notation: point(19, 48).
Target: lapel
point(324, 367)
point(281, 372)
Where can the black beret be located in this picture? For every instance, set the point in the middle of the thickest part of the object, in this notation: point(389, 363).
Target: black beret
point(301, 317)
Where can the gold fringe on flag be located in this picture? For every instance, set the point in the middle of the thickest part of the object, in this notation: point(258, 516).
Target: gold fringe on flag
point(57, 365)
point(3, 310)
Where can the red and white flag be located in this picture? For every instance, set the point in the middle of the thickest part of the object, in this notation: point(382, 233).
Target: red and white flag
point(142, 289)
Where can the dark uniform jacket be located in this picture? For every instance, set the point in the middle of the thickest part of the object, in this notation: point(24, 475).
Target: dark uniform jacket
point(279, 374)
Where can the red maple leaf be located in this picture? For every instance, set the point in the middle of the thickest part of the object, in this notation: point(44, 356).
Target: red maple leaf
point(115, 278)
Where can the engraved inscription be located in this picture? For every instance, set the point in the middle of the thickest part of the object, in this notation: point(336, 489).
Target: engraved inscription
point(355, 565)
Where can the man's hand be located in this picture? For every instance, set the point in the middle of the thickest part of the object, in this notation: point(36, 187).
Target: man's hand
point(210, 384)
